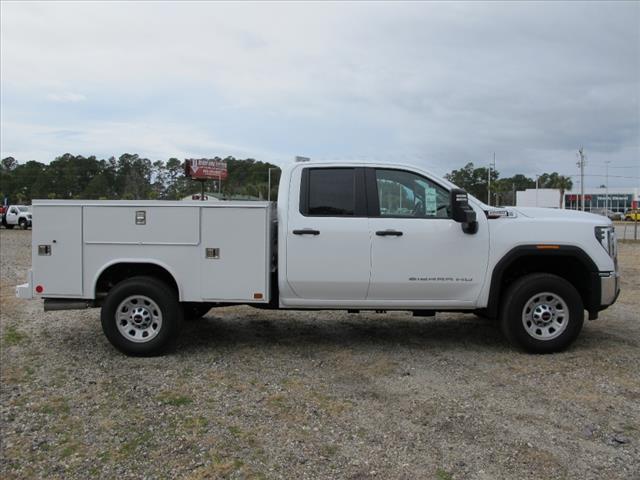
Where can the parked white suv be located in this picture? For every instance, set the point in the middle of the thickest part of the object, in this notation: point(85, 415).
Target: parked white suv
point(349, 236)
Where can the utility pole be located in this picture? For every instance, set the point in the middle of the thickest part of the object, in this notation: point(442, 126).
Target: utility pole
point(581, 163)
point(606, 195)
point(537, 177)
point(489, 179)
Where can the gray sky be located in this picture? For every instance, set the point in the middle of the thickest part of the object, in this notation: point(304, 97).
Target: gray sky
point(433, 84)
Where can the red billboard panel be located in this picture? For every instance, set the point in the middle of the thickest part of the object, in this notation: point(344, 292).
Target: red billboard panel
point(206, 169)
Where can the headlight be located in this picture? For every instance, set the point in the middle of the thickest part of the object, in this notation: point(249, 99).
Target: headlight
point(607, 238)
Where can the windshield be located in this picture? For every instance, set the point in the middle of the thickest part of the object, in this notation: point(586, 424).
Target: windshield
point(23, 209)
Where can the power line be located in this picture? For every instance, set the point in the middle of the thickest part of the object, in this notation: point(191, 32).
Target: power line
point(603, 175)
point(626, 166)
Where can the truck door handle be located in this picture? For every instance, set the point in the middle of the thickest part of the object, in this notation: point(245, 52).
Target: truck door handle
point(306, 231)
point(389, 233)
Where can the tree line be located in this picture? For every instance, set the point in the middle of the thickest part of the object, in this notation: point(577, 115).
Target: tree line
point(475, 181)
point(131, 177)
point(128, 177)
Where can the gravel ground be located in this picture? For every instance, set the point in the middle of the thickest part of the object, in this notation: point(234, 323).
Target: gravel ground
point(259, 394)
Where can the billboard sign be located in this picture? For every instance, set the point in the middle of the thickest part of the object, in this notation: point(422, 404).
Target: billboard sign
point(206, 169)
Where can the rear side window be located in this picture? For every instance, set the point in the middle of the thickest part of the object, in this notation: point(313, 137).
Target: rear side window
point(331, 192)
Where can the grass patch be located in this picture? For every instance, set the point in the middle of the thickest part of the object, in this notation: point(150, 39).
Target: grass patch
point(69, 450)
point(56, 406)
point(130, 447)
point(174, 399)
point(224, 467)
point(12, 336)
point(328, 450)
point(443, 475)
point(278, 401)
point(196, 424)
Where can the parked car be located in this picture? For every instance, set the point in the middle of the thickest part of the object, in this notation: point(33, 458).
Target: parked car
point(632, 215)
point(610, 214)
point(19, 215)
point(346, 236)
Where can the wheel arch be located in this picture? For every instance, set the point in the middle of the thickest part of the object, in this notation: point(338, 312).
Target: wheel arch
point(118, 270)
point(566, 261)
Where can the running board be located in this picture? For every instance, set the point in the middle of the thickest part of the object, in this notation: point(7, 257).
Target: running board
point(54, 304)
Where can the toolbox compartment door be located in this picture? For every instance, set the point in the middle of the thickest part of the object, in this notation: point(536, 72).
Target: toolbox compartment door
point(234, 254)
point(59, 272)
point(141, 225)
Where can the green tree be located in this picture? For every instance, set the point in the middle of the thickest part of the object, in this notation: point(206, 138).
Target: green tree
point(506, 188)
point(25, 177)
point(133, 178)
point(473, 180)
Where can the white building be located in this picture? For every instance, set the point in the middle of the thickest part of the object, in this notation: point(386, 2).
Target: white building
point(541, 197)
point(619, 199)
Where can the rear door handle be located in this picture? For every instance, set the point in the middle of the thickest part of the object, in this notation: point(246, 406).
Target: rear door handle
point(306, 231)
point(389, 233)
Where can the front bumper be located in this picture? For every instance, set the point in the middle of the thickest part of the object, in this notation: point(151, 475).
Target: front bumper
point(609, 288)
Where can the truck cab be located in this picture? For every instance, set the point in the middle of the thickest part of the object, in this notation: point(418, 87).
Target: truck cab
point(377, 237)
point(351, 236)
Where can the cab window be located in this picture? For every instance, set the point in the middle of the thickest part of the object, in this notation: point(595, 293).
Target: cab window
point(332, 192)
point(407, 194)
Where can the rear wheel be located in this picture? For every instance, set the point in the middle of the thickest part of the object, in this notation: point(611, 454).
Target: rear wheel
point(541, 313)
point(141, 316)
point(9, 227)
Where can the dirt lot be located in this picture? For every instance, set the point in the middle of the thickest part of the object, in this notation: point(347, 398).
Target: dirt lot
point(316, 395)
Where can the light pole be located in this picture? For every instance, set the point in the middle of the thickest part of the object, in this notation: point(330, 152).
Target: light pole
point(606, 195)
point(537, 177)
point(489, 179)
point(581, 163)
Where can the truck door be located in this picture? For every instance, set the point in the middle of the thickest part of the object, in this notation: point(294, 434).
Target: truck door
point(418, 252)
point(328, 243)
point(12, 216)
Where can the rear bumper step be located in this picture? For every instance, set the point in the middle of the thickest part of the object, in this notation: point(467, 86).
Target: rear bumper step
point(53, 304)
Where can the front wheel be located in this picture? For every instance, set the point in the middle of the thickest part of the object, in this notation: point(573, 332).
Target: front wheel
point(141, 316)
point(23, 224)
point(542, 313)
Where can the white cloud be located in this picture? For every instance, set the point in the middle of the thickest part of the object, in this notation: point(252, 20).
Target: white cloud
point(66, 97)
point(434, 83)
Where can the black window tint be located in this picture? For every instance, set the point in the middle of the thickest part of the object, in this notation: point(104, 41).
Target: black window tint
point(332, 191)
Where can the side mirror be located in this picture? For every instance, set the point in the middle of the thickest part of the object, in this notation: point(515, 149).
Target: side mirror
point(461, 212)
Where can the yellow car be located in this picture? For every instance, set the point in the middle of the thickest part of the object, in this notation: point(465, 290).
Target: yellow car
point(632, 215)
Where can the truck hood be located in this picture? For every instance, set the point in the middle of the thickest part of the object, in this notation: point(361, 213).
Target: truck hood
point(561, 214)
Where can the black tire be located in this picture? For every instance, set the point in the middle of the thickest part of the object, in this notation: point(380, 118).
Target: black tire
point(522, 293)
point(23, 224)
point(8, 227)
point(195, 310)
point(164, 297)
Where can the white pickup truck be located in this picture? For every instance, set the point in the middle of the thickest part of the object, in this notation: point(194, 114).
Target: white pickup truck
point(17, 215)
point(350, 236)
